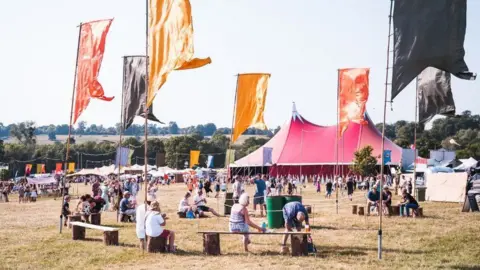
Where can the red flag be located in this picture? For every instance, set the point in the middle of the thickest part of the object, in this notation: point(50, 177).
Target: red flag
point(28, 169)
point(58, 167)
point(412, 146)
point(352, 96)
point(90, 54)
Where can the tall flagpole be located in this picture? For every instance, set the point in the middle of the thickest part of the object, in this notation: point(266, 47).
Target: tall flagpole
point(337, 170)
point(231, 133)
point(70, 124)
point(383, 132)
point(146, 107)
point(121, 123)
point(415, 142)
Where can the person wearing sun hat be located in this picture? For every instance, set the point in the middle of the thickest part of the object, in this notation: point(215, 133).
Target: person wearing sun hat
point(154, 230)
point(387, 200)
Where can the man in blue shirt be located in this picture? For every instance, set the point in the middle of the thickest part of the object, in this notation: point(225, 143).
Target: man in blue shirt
point(373, 198)
point(125, 206)
point(259, 197)
point(294, 213)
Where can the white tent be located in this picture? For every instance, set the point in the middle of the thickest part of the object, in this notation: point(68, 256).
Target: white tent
point(467, 164)
point(446, 187)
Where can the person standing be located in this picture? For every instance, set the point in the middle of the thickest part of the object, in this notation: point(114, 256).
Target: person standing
point(237, 190)
point(350, 187)
point(328, 189)
point(259, 197)
point(140, 225)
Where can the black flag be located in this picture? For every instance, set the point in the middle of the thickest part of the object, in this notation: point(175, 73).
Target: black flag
point(134, 90)
point(428, 33)
point(434, 94)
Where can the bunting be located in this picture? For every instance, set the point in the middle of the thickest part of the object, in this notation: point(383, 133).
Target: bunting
point(170, 36)
point(250, 103)
point(210, 161)
point(194, 157)
point(134, 90)
point(122, 157)
point(267, 155)
point(428, 33)
point(352, 96)
point(90, 55)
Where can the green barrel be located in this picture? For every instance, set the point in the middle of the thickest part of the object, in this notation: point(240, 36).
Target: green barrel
point(228, 203)
point(274, 211)
point(293, 198)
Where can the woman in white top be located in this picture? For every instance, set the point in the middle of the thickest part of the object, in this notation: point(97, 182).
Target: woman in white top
point(184, 205)
point(154, 230)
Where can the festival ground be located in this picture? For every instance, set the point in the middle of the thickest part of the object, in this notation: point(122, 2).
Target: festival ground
point(444, 238)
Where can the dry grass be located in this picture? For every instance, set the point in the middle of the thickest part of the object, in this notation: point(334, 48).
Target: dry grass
point(43, 139)
point(445, 238)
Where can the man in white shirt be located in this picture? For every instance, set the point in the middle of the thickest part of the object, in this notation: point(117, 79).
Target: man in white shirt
point(155, 232)
point(201, 204)
point(237, 190)
point(140, 224)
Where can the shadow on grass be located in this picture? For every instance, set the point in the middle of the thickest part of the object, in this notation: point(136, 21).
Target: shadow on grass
point(100, 240)
point(360, 251)
point(319, 227)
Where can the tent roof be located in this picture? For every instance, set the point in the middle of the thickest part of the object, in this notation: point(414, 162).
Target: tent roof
point(300, 142)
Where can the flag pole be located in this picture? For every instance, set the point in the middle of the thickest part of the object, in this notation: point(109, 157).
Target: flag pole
point(146, 106)
point(70, 125)
point(121, 125)
point(415, 195)
point(231, 132)
point(383, 132)
point(337, 170)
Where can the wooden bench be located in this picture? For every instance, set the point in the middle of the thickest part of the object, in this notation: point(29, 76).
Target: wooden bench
point(110, 235)
point(308, 208)
point(299, 241)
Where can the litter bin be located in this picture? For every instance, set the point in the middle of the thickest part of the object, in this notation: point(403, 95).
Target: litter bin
point(421, 193)
point(293, 198)
point(274, 211)
point(228, 203)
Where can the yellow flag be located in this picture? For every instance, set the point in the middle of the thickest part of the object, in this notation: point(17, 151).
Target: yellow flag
point(194, 156)
point(71, 167)
point(170, 37)
point(229, 157)
point(39, 169)
point(250, 104)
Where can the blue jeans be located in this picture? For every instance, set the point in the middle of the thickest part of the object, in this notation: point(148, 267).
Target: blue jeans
point(407, 208)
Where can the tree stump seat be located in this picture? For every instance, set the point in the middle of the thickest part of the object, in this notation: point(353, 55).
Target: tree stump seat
point(361, 210)
point(110, 235)
point(354, 209)
point(156, 244)
point(182, 214)
point(73, 218)
point(96, 218)
point(395, 210)
point(417, 212)
point(308, 208)
point(125, 218)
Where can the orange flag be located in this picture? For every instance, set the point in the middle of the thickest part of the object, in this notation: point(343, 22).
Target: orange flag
point(250, 102)
point(171, 42)
point(90, 54)
point(28, 169)
point(352, 96)
point(58, 167)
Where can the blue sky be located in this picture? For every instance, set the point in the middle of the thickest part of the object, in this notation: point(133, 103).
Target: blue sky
point(301, 43)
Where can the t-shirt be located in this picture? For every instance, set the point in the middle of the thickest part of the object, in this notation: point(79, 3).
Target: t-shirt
point(199, 200)
point(66, 208)
point(124, 205)
point(140, 219)
point(260, 187)
point(237, 189)
point(183, 203)
point(373, 196)
point(290, 211)
point(153, 224)
point(329, 186)
point(409, 199)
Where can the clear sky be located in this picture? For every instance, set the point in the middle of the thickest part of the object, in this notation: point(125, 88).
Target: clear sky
point(301, 43)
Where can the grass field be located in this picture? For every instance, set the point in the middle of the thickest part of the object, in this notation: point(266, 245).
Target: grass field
point(43, 139)
point(444, 239)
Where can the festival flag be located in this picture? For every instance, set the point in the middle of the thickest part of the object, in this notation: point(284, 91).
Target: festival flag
point(170, 37)
point(90, 54)
point(210, 161)
point(43, 168)
point(229, 157)
point(250, 102)
point(58, 167)
point(267, 155)
point(428, 33)
point(194, 156)
point(134, 90)
point(130, 155)
point(434, 94)
point(28, 169)
point(387, 156)
point(352, 96)
point(121, 158)
point(39, 169)
point(71, 167)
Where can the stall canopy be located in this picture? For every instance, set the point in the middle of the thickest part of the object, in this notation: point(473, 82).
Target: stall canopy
point(300, 142)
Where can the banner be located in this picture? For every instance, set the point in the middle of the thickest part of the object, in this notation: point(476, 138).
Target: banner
point(250, 103)
point(28, 169)
point(352, 96)
point(387, 156)
point(170, 38)
point(267, 155)
point(134, 90)
point(160, 159)
point(194, 156)
point(210, 161)
point(130, 155)
point(43, 168)
point(434, 94)
point(121, 158)
point(58, 167)
point(71, 167)
point(90, 55)
point(229, 157)
point(428, 33)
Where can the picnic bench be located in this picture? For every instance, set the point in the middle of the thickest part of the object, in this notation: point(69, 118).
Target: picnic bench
point(110, 235)
point(299, 241)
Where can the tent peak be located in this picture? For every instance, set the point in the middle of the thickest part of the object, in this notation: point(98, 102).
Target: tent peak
point(295, 113)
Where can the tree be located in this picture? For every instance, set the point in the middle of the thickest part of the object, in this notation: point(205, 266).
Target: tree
point(51, 132)
point(178, 150)
point(2, 151)
point(82, 127)
point(24, 132)
point(4, 174)
point(209, 129)
point(364, 163)
point(173, 128)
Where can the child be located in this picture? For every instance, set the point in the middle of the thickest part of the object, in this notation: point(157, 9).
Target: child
point(33, 195)
point(217, 188)
point(66, 209)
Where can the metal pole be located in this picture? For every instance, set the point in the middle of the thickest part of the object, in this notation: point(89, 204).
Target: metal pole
point(146, 105)
point(231, 133)
point(121, 123)
point(336, 141)
point(70, 125)
point(415, 142)
point(383, 131)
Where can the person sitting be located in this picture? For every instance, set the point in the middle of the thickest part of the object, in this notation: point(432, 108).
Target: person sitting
point(99, 203)
point(407, 203)
point(126, 207)
point(373, 197)
point(154, 230)
point(294, 213)
point(201, 204)
point(185, 206)
point(387, 195)
point(83, 207)
point(240, 221)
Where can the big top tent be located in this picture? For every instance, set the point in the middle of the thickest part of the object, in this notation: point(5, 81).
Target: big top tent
point(300, 143)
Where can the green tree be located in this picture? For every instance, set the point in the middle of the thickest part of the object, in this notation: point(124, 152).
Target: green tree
point(24, 132)
point(178, 150)
point(2, 151)
point(4, 174)
point(51, 132)
point(173, 128)
point(364, 163)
